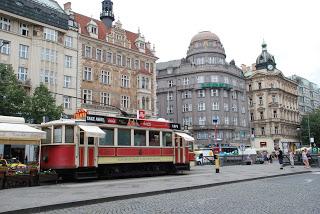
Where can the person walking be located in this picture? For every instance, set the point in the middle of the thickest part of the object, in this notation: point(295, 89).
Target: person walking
point(305, 159)
point(280, 158)
point(291, 157)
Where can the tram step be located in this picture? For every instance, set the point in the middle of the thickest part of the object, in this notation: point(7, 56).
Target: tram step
point(86, 175)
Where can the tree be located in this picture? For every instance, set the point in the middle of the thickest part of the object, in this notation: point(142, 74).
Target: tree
point(314, 124)
point(13, 98)
point(43, 104)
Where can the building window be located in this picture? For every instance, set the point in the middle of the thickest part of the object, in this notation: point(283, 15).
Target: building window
point(234, 107)
point(186, 81)
point(125, 81)
point(143, 82)
point(201, 93)
point(22, 73)
point(251, 116)
point(170, 109)
point(226, 107)
point(147, 66)
point(262, 131)
point(261, 115)
point(274, 98)
point(105, 77)
point(250, 102)
point(88, 52)
point(226, 80)
point(68, 40)
point(170, 83)
point(105, 99)
point(202, 135)
point(170, 95)
point(187, 121)
point(87, 96)
point(87, 74)
point(67, 61)
point(215, 120)
point(119, 60)
point(129, 62)
point(250, 88)
point(202, 121)
point(215, 106)
point(48, 77)
point(49, 55)
point(24, 30)
point(276, 130)
point(50, 34)
point(201, 106)
point(109, 58)
point(67, 81)
point(5, 48)
point(187, 107)
point(4, 24)
point(235, 121)
point(200, 79)
point(214, 78)
point(234, 95)
point(226, 120)
point(275, 115)
point(67, 102)
point(225, 93)
point(98, 54)
point(260, 101)
point(259, 85)
point(23, 51)
point(125, 102)
point(186, 95)
point(243, 110)
point(93, 30)
point(136, 64)
point(214, 92)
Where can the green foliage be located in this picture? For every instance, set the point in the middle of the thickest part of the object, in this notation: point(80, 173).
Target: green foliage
point(43, 104)
point(314, 123)
point(13, 98)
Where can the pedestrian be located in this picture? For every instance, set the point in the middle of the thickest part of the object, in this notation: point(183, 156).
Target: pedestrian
point(280, 158)
point(291, 157)
point(269, 158)
point(305, 159)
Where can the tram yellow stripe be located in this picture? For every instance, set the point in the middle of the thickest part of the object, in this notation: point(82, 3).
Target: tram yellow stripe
point(113, 160)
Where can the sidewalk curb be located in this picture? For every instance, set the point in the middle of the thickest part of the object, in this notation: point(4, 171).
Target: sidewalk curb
point(137, 195)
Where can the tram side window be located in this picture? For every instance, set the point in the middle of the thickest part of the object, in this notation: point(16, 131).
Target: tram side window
point(57, 136)
point(81, 137)
point(90, 140)
point(167, 138)
point(124, 137)
point(108, 139)
point(139, 137)
point(69, 134)
point(48, 136)
point(154, 138)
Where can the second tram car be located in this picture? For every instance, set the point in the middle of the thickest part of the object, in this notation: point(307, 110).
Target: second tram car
point(101, 146)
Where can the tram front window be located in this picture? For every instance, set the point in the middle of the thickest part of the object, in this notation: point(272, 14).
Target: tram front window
point(124, 137)
point(48, 135)
point(108, 139)
point(57, 137)
point(139, 137)
point(167, 138)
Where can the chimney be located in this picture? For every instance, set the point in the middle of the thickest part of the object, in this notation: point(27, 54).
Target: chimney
point(67, 6)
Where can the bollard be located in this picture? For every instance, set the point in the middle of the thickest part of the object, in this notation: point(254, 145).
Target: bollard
point(217, 163)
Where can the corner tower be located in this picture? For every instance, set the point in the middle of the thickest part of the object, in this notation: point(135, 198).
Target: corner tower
point(265, 60)
point(107, 15)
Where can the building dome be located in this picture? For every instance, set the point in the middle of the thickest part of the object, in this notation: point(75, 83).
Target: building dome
point(205, 42)
point(205, 35)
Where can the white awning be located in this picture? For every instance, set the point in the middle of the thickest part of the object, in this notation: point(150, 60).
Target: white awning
point(93, 131)
point(9, 131)
point(185, 136)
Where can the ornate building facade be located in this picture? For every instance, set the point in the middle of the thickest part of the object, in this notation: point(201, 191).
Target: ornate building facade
point(117, 66)
point(204, 93)
point(40, 42)
point(273, 105)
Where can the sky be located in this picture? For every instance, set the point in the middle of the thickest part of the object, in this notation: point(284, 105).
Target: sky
point(289, 27)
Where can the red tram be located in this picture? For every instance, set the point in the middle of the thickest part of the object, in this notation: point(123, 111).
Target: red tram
point(102, 146)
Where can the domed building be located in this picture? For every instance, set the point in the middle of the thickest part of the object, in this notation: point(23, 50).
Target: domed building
point(204, 93)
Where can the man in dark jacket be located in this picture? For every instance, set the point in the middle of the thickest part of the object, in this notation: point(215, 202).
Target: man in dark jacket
point(280, 158)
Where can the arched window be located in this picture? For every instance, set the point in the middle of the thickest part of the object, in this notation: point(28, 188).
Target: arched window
point(143, 102)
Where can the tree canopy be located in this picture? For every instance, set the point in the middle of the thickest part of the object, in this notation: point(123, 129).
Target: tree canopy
point(14, 100)
point(314, 124)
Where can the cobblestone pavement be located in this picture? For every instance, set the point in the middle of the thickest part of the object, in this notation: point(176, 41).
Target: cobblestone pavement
point(290, 194)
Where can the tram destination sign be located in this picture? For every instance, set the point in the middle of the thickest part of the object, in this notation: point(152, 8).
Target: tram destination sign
point(131, 122)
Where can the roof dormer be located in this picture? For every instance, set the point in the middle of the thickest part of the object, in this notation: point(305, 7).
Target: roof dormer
point(92, 29)
point(140, 42)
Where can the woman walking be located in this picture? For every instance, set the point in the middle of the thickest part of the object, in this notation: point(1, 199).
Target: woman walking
point(305, 159)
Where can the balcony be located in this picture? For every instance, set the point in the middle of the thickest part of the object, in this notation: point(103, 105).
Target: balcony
point(216, 85)
point(25, 83)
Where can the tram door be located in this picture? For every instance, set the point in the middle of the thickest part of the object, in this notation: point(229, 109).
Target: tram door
point(179, 150)
point(87, 150)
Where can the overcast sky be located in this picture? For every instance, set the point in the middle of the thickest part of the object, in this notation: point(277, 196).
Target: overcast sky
point(290, 28)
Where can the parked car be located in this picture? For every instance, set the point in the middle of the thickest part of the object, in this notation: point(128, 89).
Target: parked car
point(12, 163)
